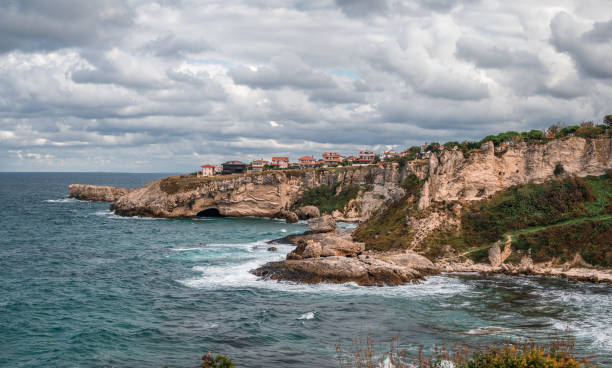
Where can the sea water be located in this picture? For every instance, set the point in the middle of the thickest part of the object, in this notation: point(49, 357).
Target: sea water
point(82, 287)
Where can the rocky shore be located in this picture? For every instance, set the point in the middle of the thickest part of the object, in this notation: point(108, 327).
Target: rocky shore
point(325, 254)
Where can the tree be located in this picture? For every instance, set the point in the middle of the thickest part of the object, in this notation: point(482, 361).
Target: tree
point(608, 121)
point(376, 159)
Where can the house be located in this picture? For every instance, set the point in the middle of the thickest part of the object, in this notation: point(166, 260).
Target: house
point(352, 158)
point(233, 167)
point(307, 161)
point(332, 158)
point(280, 162)
point(320, 163)
point(365, 158)
point(258, 165)
point(388, 155)
point(207, 170)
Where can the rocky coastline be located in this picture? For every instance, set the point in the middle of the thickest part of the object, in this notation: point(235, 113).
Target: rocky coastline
point(332, 256)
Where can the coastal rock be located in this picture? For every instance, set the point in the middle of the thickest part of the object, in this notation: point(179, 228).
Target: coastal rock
point(99, 193)
point(323, 224)
point(312, 250)
point(497, 257)
point(338, 270)
point(290, 217)
point(412, 260)
point(308, 212)
point(329, 245)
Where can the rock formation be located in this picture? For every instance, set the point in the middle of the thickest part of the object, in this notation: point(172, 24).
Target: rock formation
point(308, 212)
point(99, 193)
point(323, 224)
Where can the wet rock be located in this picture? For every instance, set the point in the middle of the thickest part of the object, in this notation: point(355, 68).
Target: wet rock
point(291, 217)
point(308, 212)
point(323, 224)
point(338, 270)
point(412, 260)
point(312, 250)
point(272, 249)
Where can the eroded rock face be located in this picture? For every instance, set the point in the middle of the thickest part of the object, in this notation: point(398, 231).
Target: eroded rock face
point(99, 193)
point(263, 195)
point(323, 224)
point(452, 177)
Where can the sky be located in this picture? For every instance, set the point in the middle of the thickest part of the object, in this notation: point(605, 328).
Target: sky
point(166, 86)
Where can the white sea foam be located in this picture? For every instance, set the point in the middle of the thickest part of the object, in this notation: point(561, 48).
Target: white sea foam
point(64, 200)
point(232, 270)
point(307, 316)
point(283, 230)
point(112, 215)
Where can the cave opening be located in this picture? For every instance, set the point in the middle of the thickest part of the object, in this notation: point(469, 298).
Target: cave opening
point(210, 212)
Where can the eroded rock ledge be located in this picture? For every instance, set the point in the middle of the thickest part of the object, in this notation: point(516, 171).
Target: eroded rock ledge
point(99, 193)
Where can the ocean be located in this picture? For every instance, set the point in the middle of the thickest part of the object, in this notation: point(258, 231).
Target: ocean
point(82, 287)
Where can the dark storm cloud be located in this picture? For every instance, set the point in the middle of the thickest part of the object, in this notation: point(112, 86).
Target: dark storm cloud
point(589, 50)
point(168, 45)
point(29, 25)
point(139, 85)
point(362, 8)
point(486, 55)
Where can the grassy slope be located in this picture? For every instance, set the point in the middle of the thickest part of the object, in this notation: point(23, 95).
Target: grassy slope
point(556, 218)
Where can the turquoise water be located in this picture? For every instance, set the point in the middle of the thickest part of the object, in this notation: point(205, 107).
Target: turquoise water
point(81, 287)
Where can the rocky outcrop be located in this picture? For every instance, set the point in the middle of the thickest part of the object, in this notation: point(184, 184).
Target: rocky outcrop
point(361, 270)
point(99, 193)
point(333, 257)
point(323, 224)
point(265, 194)
point(307, 212)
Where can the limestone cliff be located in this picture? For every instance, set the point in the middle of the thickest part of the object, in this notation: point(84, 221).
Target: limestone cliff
point(100, 193)
point(266, 194)
point(452, 177)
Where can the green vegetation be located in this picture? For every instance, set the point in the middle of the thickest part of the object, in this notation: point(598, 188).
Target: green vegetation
point(327, 198)
point(388, 229)
point(556, 219)
point(591, 238)
point(217, 361)
point(559, 353)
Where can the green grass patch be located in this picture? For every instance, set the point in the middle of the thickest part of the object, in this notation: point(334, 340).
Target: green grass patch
point(326, 199)
point(388, 229)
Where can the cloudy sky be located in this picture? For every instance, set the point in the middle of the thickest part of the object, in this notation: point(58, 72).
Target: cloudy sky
point(142, 86)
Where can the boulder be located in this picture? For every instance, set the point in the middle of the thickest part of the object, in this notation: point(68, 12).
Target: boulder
point(312, 250)
point(413, 260)
point(291, 217)
point(272, 249)
point(336, 246)
point(323, 224)
point(308, 212)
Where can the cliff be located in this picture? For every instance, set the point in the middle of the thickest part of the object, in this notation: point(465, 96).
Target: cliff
point(469, 202)
point(452, 177)
point(267, 194)
point(100, 193)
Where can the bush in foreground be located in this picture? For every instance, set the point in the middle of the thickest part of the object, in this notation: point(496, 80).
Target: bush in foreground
point(557, 354)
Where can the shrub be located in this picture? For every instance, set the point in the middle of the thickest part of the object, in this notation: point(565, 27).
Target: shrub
point(326, 199)
point(589, 131)
point(558, 169)
point(607, 121)
point(559, 353)
point(218, 361)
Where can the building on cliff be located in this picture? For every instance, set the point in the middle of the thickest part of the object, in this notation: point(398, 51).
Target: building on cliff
point(307, 161)
point(207, 170)
point(280, 162)
point(332, 158)
point(233, 167)
point(258, 165)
